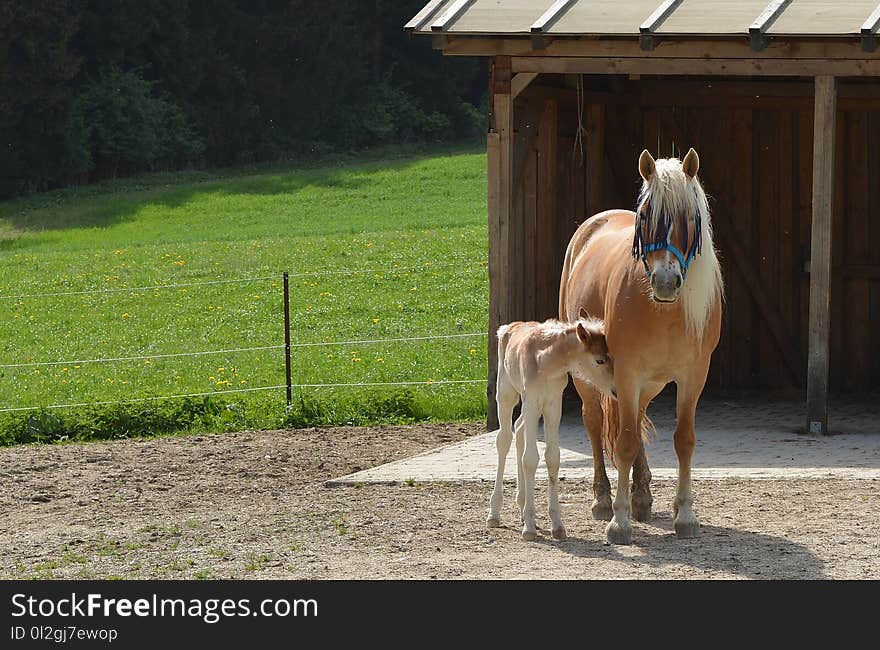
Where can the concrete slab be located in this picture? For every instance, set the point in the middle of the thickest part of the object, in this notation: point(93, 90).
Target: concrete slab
point(734, 440)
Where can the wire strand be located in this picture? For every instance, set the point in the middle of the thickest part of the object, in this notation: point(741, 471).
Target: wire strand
point(243, 390)
point(240, 280)
point(35, 364)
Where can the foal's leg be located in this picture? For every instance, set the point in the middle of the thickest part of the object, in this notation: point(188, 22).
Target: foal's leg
point(520, 449)
point(506, 398)
point(552, 416)
point(591, 412)
point(685, 438)
point(531, 413)
point(626, 448)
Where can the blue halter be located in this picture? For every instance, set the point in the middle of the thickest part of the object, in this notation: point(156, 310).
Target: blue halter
point(683, 261)
point(640, 249)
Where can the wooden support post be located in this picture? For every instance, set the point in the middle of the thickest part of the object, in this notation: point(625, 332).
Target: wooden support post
point(824, 116)
point(500, 190)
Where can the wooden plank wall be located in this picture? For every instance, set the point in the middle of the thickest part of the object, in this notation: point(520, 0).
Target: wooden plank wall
point(755, 144)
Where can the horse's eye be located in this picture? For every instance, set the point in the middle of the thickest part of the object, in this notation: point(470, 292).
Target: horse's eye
point(600, 361)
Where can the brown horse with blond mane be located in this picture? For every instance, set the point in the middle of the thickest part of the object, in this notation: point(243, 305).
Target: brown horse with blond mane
point(654, 278)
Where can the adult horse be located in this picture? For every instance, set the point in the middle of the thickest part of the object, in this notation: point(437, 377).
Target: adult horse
point(654, 278)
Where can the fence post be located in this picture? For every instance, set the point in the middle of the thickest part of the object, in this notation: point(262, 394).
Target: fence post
point(287, 336)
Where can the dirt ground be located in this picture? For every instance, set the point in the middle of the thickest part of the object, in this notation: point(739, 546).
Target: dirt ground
point(254, 505)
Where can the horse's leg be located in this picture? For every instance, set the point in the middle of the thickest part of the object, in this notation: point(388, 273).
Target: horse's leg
point(685, 438)
point(506, 399)
point(642, 500)
point(626, 449)
point(552, 416)
point(531, 414)
point(591, 413)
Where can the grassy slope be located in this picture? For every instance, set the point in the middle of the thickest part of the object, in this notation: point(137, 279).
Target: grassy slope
point(386, 215)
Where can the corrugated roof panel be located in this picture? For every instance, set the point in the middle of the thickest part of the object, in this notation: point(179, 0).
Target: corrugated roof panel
point(722, 17)
point(499, 17)
point(603, 17)
point(623, 17)
point(823, 17)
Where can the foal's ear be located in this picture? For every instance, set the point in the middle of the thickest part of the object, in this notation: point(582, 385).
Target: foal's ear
point(646, 165)
point(583, 335)
point(691, 163)
point(582, 313)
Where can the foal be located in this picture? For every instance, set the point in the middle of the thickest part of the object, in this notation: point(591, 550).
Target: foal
point(534, 360)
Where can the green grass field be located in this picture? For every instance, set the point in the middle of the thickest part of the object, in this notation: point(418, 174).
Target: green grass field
point(392, 246)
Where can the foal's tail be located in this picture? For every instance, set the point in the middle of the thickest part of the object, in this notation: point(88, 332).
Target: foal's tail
point(611, 425)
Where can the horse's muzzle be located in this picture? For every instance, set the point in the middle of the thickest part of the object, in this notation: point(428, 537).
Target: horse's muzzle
point(666, 286)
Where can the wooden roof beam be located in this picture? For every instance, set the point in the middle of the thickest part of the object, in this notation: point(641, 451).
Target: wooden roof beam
point(869, 31)
point(647, 28)
point(758, 29)
point(547, 19)
point(554, 13)
point(444, 22)
point(418, 21)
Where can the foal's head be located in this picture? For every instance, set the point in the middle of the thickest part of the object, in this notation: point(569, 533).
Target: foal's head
point(592, 363)
point(670, 215)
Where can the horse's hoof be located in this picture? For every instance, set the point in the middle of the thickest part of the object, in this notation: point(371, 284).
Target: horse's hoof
point(493, 522)
point(559, 533)
point(529, 535)
point(617, 534)
point(641, 508)
point(687, 529)
point(602, 510)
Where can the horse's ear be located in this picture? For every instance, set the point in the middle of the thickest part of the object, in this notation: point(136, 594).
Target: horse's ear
point(582, 313)
point(583, 334)
point(646, 165)
point(691, 163)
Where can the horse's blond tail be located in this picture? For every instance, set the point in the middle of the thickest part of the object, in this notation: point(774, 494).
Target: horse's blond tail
point(611, 425)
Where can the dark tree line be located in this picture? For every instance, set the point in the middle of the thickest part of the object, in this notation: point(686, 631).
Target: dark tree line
point(92, 89)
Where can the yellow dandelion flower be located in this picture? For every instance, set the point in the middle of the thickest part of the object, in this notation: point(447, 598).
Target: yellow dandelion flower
point(126, 315)
point(472, 351)
point(357, 359)
point(221, 369)
point(147, 362)
point(376, 320)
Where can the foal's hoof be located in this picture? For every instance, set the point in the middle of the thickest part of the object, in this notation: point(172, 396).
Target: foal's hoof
point(559, 533)
point(601, 509)
point(617, 534)
point(687, 529)
point(493, 522)
point(529, 535)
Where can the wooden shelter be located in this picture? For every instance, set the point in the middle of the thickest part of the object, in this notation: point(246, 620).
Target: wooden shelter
point(782, 101)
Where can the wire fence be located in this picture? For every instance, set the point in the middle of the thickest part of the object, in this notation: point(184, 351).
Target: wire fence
point(287, 346)
point(180, 285)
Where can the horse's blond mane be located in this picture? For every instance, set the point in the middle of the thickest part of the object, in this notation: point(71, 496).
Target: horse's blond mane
point(671, 196)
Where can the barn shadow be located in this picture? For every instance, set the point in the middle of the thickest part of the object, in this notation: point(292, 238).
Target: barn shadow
point(718, 549)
